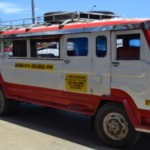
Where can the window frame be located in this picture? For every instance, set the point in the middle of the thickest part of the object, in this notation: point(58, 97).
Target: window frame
point(6, 55)
point(77, 37)
point(103, 55)
point(124, 52)
point(29, 49)
point(46, 39)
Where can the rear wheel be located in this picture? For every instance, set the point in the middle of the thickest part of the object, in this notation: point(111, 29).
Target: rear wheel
point(113, 126)
point(4, 104)
point(14, 106)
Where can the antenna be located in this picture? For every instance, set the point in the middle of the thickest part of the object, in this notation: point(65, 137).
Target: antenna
point(93, 7)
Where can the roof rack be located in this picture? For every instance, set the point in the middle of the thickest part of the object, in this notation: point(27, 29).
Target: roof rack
point(60, 17)
point(21, 23)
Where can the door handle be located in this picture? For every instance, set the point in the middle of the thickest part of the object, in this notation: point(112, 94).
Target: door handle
point(115, 64)
point(67, 61)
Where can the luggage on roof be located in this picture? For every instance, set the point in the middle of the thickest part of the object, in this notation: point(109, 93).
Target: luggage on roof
point(61, 16)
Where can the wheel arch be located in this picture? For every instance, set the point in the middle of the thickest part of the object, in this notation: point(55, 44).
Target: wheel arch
point(120, 97)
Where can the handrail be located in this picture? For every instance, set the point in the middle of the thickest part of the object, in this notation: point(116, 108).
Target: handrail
point(60, 18)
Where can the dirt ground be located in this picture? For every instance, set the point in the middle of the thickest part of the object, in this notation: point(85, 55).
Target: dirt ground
point(15, 137)
point(37, 128)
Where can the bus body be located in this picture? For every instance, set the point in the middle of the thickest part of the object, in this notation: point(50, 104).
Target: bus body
point(99, 68)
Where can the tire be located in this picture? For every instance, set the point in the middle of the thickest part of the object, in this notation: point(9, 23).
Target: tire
point(14, 106)
point(113, 126)
point(4, 104)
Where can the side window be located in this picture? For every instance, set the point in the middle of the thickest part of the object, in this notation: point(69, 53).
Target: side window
point(45, 48)
point(19, 48)
point(77, 46)
point(15, 48)
point(101, 46)
point(8, 48)
point(128, 47)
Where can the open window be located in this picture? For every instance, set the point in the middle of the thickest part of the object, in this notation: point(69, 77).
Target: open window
point(19, 48)
point(128, 47)
point(45, 48)
point(15, 48)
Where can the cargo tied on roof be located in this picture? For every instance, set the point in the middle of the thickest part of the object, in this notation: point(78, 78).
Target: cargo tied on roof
point(60, 16)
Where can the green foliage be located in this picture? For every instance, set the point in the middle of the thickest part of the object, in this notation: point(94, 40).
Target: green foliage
point(7, 43)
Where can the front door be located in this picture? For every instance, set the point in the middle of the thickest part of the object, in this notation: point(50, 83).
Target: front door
point(128, 65)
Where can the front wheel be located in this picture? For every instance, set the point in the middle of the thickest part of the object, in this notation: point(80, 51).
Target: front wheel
point(114, 127)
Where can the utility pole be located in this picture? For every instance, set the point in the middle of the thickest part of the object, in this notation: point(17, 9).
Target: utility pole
point(33, 11)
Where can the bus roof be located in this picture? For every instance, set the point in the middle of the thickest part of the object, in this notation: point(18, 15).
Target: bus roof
point(69, 27)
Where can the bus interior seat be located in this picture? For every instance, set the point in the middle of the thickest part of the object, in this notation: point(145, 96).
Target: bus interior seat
point(128, 53)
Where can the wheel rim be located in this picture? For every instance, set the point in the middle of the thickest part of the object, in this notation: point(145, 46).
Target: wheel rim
point(115, 126)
